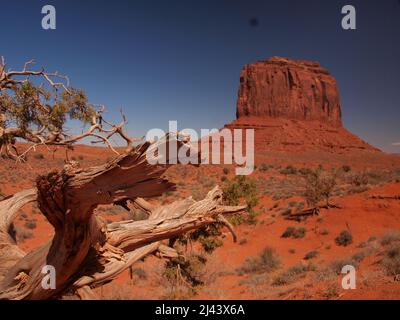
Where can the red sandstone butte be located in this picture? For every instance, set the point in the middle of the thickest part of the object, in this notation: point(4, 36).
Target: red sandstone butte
point(294, 108)
point(289, 89)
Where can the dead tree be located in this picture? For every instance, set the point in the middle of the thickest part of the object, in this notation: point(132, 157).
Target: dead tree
point(85, 251)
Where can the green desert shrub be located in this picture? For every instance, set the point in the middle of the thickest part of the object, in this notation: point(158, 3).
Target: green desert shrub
point(206, 236)
point(241, 188)
point(238, 188)
point(209, 244)
point(320, 186)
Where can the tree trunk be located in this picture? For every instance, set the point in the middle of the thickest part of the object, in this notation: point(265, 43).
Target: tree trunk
point(85, 251)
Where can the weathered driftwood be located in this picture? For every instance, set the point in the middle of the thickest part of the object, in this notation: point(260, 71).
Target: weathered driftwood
point(385, 197)
point(306, 213)
point(303, 215)
point(85, 251)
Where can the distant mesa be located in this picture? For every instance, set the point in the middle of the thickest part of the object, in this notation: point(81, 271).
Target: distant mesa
point(289, 89)
point(294, 107)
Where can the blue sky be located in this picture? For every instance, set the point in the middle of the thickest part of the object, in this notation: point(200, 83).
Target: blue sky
point(180, 60)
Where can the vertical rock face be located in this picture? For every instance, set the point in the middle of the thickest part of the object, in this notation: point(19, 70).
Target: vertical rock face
point(289, 89)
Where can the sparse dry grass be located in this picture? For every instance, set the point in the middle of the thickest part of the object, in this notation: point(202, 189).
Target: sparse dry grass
point(267, 261)
point(292, 274)
point(293, 232)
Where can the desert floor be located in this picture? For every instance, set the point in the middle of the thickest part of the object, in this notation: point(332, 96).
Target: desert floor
point(307, 265)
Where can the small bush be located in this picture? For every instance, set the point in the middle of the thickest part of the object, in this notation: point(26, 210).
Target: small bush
point(337, 265)
point(301, 205)
point(264, 168)
point(286, 211)
point(344, 238)
point(189, 268)
point(207, 237)
point(38, 156)
point(288, 170)
point(267, 261)
point(311, 255)
point(209, 244)
point(324, 232)
point(288, 232)
point(292, 232)
point(225, 170)
point(391, 260)
point(331, 292)
point(291, 275)
point(305, 171)
point(359, 256)
point(346, 168)
point(324, 275)
point(358, 189)
point(292, 204)
point(240, 187)
point(390, 237)
point(359, 179)
point(299, 233)
point(319, 186)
